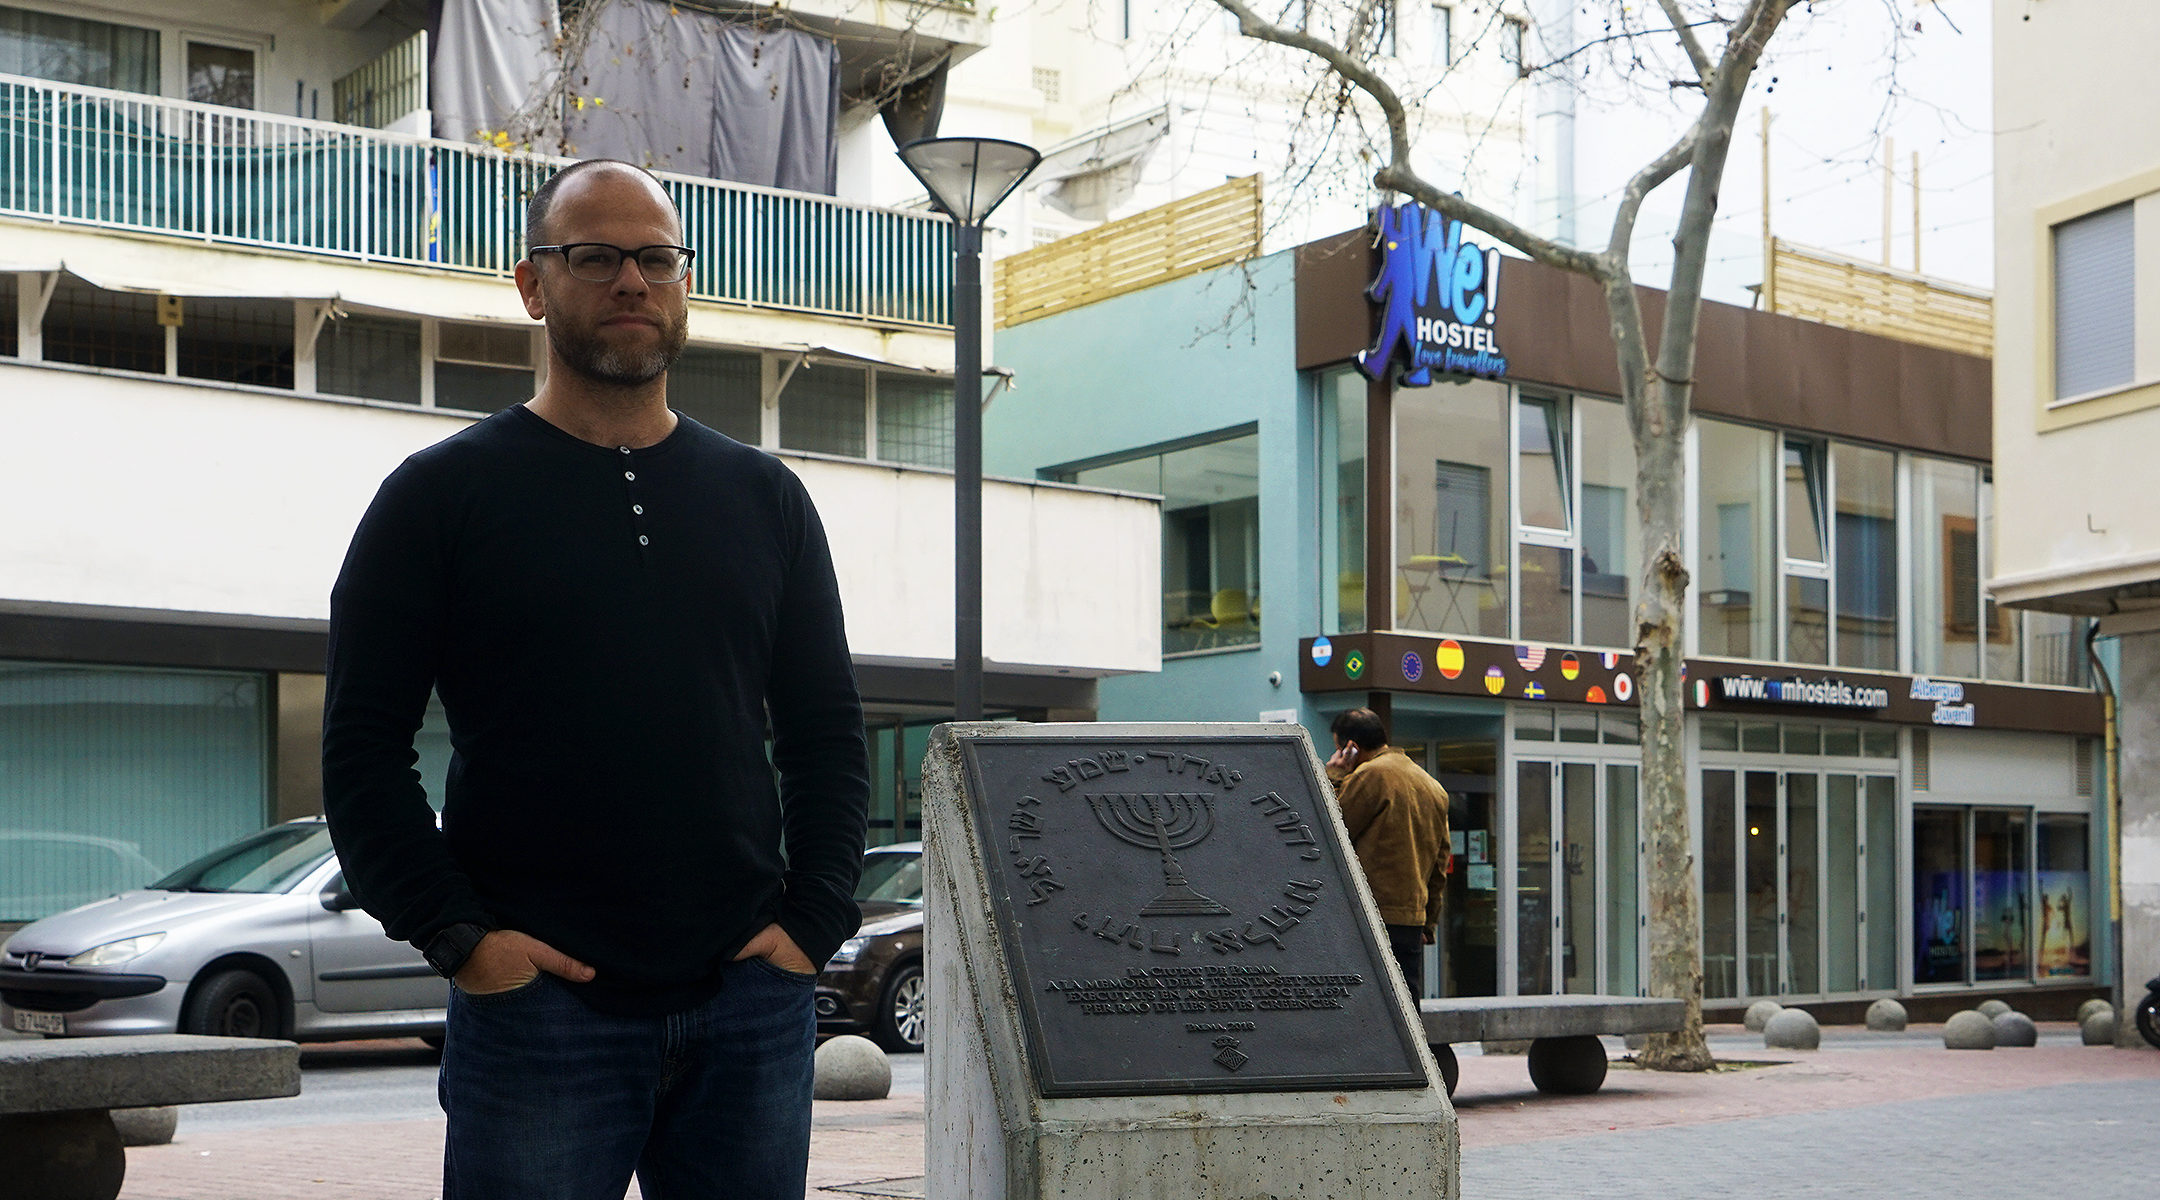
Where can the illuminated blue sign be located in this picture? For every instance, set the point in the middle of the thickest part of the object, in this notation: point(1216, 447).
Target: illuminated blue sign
point(1437, 294)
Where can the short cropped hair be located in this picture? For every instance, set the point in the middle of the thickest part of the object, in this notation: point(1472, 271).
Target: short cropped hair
point(1361, 726)
point(542, 201)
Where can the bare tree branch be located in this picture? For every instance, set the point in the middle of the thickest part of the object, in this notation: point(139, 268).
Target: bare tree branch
point(1695, 52)
point(1646, 181)
point(1396, 174)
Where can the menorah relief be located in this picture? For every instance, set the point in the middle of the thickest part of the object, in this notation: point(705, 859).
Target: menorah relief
point(1164, 822)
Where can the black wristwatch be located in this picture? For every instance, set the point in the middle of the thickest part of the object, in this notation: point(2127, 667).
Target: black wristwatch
point(448, 950)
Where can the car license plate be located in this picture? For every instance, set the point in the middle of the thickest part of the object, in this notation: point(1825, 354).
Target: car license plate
point(39, 1022)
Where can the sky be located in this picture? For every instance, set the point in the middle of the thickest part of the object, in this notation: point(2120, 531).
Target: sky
point(1841, 78)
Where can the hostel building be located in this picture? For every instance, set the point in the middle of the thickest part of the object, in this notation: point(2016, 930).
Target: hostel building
point(1893, 780)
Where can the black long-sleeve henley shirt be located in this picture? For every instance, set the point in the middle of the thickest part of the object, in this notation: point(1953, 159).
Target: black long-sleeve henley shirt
point(608, 629)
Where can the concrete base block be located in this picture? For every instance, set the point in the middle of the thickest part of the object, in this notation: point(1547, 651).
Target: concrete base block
point(61, 1156)
point(2016, 1029)
point(1969, 1030)
point(1886, 1016)
point(851, 1068)
point(146, 1126)
point(1792, 1029)
point(1191, 1157)
point(1759, 1014)
point(2098, 1027)
point(1992, 1009)
point(2096, 1004)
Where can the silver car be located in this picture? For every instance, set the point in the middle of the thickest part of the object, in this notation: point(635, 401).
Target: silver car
point(258, 939)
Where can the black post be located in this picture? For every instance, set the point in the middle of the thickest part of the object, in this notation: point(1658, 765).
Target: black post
point(967, 473)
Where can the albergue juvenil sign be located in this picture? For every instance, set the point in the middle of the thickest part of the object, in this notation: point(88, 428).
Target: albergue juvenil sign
point(1436, 299)
point(1177, 918)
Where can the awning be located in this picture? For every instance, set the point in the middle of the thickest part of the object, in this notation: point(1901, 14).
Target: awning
point(1089, 175)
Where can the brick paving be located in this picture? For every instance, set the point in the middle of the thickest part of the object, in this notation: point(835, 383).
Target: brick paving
point(1912, 1121)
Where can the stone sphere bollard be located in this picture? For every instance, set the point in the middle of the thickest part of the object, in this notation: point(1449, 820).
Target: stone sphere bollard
point(2096, 1004)
point(1992, 1009)
point(1886, 1016)
point(2016, 1029)
point(1759, 1014)
point(1792, 1029)
point(1969, 1030)
point(851, 1068)
point(2098, 1027)
point(146, 1126)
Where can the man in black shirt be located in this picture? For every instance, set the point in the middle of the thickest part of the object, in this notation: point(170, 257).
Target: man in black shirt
point(612, 601)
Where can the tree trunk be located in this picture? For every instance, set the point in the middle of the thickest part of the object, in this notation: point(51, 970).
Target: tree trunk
point(1675, 967)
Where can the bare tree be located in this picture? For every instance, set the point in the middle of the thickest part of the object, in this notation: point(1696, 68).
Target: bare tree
point(1656, 387)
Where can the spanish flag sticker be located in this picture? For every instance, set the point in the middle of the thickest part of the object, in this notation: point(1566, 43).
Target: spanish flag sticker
point(1448, 659)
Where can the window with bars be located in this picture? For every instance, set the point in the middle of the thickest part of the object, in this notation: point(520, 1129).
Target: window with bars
point(96, 328)
point(719, 389)
point(914, 419)
point(824, 410)
point(374, 357)
point(482, 368)
point(238, 341)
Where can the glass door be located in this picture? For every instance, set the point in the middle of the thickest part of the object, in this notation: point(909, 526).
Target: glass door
point(1788, 883)
point(1578, 878)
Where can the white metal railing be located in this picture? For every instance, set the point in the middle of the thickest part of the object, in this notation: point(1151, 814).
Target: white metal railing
point(117, 160)
point(386, 89)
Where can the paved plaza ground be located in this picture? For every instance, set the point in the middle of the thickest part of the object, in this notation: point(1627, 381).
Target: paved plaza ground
point(1868, 1115)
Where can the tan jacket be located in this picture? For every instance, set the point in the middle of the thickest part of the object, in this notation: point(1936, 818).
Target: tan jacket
point(1397, 816)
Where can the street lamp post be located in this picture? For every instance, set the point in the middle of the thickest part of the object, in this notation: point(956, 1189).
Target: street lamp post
point(968, 178)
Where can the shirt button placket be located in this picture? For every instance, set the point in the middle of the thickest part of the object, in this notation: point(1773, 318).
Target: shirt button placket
point(637, 510)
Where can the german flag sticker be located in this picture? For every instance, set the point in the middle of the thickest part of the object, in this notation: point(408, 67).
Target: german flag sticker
point(1570, 667)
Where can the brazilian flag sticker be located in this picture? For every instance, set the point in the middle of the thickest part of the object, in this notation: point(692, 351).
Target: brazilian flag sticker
point(1353, 664)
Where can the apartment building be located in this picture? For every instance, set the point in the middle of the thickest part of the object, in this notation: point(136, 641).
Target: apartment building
point(2077, 381)
point(248, 266)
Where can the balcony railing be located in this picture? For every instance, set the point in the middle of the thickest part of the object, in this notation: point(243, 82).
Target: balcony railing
point(116, 160)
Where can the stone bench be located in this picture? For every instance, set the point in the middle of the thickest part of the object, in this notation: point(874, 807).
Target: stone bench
point(57, 1096)
point(1565, 1054)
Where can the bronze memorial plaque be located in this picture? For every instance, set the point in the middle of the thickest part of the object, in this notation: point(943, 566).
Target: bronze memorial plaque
point(1179, 918)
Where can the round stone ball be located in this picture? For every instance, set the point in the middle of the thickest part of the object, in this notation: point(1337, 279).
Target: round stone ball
point(1886, 1016)
point(2098, 1027)
point(1792, 1029)
point(146, 1126)
point(1759, 1014)
point(1969, 1030)
point(1992, 1009)
point(2016, 1029)
point(851, 1068)
point(2096, 1004)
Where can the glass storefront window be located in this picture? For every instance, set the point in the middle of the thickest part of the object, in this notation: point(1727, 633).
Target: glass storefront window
point(1939, 886)
point(1736, 590)
point(1211, 536)
point(1720, 901)
point(2004, 656)
point(1807, 619)
point(2063, 880)
point(1867, 557)
point(1542, 460)
point(1946, 567)
point(1342, 500)
point(1804, 534)
point(1611, 532)
point(1452, 510)
point(2055, 650)
point(1999, 900)
point(1547, 589)
point(115, 776)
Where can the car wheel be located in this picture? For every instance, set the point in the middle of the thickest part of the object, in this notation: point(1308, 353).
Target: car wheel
point(233, 1004)
point(900, 1020)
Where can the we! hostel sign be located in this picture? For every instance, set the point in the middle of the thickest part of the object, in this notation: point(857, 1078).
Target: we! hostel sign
point(1437, 298)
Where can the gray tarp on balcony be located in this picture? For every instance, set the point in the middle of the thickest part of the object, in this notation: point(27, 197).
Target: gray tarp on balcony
point(488, 55)
point(701, 94)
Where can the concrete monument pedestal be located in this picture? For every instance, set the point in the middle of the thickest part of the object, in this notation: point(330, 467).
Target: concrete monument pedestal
point(1155, 974)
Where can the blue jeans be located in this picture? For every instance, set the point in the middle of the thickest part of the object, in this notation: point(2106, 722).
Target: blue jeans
point(550, 1100)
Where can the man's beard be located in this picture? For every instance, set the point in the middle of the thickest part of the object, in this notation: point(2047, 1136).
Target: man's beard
point(585, 353)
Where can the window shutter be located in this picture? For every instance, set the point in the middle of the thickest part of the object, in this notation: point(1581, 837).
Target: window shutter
point(2095, 347)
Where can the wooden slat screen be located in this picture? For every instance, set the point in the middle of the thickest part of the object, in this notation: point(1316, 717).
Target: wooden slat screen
point(1184, 237)
point(1836, 290)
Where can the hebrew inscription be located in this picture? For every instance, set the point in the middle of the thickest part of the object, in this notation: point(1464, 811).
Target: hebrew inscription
point(1179, 918)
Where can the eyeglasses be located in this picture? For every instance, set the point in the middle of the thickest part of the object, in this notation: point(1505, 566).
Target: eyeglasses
point(598, 262)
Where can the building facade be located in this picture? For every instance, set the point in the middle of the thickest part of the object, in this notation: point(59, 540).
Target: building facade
point(1894, 782)
point(2077, 386)
point(221, 326)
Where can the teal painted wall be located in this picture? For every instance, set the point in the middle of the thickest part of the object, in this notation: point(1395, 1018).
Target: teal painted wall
point(1201, 354)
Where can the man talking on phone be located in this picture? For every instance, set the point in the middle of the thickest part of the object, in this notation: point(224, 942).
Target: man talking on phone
point(1397, 817)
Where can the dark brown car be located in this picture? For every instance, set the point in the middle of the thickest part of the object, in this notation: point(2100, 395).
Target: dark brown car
point(874, 984)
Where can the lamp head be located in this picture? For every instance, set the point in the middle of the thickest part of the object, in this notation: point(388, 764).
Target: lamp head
point(969, 177)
